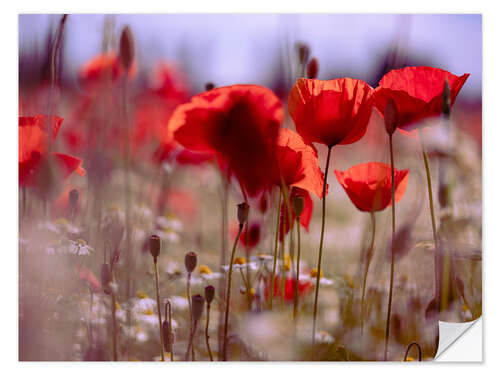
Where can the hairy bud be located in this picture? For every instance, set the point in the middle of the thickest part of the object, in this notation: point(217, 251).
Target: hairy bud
point(446, 99)
point(313, 68)
point(73, 199)
point(390, 116)
point(298, 205)
point(302, 52)
point(190, 261)
point(168, 337)
point(243, 209)
point(126, 48)
point(154, 245)
point(209, 86)
point(209, 293)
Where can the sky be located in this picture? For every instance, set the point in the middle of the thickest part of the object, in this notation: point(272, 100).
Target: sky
point(242, 48)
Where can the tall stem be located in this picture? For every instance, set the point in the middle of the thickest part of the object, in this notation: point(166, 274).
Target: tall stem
point(433, 219)
point(323, 201)
point(368, 260)
point(188, 287)
point(296, 295)
point(157, 285)
point(223, 255)
point(276, 238)
point(206, 333)
point(228, 296)
point(391, 282)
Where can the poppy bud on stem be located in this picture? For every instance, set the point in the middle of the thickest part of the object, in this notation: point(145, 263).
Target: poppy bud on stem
point(190, 261)
point(168, 334)
point(313, 68)
point(209, 297)
point(126, 48)
point(209, 86)
point(243, 209)
point(390, 116)
point(197, 303)
point(73, 202)
point(154, 248)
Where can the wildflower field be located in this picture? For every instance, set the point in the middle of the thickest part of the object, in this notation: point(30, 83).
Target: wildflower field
point(319, 217)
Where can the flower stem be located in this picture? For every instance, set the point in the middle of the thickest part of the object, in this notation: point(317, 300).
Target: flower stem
point(188, 287)
point(275, 251)
point(391, 282)
point(228, 295)
point(315, 311)
point(157, 285)
point(419, 351)
point(206, 333)
point(113, 318)
point(296, 296)
point(368, 260)
point(433, 220)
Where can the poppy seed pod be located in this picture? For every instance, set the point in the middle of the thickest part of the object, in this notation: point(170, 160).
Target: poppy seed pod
point(298, 205)
point(390, 116)
point(197, 302)
point(126, 48)
point(243, 209)
point(313, 68)
point(446, 99)
point(154, 245)
point(209, 293)
point(190, 261)
point(105, 277)
point(168, 337)
point(73, 198)
point(209, 86)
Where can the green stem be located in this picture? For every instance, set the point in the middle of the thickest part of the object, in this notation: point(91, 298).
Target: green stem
point(276, 238)
point(296, 296)
point(323, 201)
point(433, 220)
point(206, 333)
point(228, 296)
point(391, 282)
point(157, 285)
point(368, 260)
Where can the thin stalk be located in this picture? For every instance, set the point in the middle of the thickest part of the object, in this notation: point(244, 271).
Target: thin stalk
point(222, 280)
point(408, 351)
point(296, 295)
point(228, 296)
point(157, 285)
point(207, 338)
point(113, 317)
point(368, 260)
point(433, 220)
point(323, 201)
point(190, 347)
point(188, 287)
point(391, 282)
point(276, 238)
point(282, 253)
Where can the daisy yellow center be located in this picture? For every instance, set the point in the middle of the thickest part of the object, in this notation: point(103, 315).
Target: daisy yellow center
point(314, 273)
point(82, 242)
point(142, 295)
point(409, 359)
point(239, 260)
point(204, 270)
point(148, 312)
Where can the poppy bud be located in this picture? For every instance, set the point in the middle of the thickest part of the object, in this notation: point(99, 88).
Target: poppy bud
point(446, 99)
point(190, 261)
point(154, 245)
point(126, 48)
point(303, 52)
point(313, 68)
point(209, 293)
point(390, 116)
point(168, 337)
point(209, 86)
point(298, 205)
point(73, 199)
point(105, 277)
point(243, 209)
point(197, 303)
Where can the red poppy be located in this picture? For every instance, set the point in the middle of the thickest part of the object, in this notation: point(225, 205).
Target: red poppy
point(88, 276)
point(239, 123)
point(305, 217)
point(253, 236)
point(101, 68)
point(369, 185)
point(290, 283)
point(417, 92)
point(37, 166)
point(331, 112)
point(298, 163)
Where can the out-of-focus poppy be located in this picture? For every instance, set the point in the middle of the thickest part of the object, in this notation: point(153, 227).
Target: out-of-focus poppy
point(305, 286)
point(305, 217)
point(331, 112)
point(38, 167)
point(298, 163)
point(369, 185)
point(103, 68)
point(61, 206)
point(417, 93)
point(253, 236)
point(239, 123)
point(88, 276)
